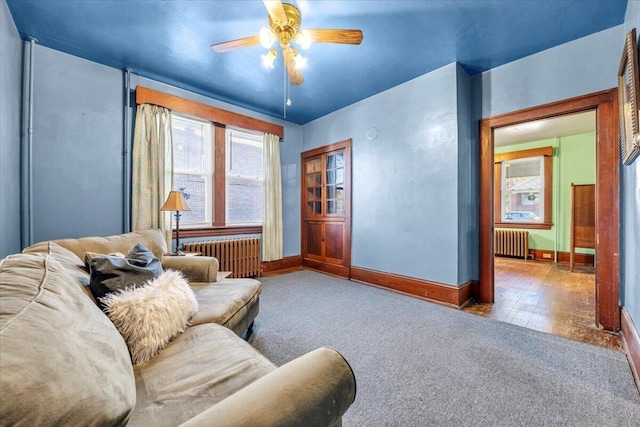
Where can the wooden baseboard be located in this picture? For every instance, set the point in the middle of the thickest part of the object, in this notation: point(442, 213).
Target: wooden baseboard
point(580, 258)
point(286, 263)
point(453, 296)
point(541, 255)
point(631, 342)
point(547, 255)
point(335, 269)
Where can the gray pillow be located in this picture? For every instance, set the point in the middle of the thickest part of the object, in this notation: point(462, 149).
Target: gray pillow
point(115, 273)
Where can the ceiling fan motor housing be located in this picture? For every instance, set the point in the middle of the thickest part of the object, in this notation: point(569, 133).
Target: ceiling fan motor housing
point(286, 31)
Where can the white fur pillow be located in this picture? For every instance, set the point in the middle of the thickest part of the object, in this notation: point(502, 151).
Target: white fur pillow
point(148, 317)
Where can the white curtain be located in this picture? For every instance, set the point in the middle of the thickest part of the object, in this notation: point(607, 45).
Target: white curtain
point(152, 171)
point(272, 212)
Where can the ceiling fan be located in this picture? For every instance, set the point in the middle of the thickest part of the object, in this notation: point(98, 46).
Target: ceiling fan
point(284, 27)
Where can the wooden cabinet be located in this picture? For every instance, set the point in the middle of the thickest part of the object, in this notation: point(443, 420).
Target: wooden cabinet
point(326, 208)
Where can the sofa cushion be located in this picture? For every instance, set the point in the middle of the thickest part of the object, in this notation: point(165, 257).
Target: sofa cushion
point(71, 263)
point(149, 316)
point(62, 360)
point(225, 302)
point(220, 363)
point(152, 239)
point(115, 273)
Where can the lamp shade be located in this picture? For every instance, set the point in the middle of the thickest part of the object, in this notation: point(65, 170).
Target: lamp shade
point(175, 202)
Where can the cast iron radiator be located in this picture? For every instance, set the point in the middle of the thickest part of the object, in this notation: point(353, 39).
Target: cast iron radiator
point(240, 256)
point(513, 243)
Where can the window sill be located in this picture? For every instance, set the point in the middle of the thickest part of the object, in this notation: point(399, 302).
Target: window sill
point(218, 231)
point(524, 225)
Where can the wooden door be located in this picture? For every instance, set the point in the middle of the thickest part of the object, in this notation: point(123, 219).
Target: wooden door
point(326, 208)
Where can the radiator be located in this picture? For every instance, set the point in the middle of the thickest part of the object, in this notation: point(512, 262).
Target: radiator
point(240, 256)
point(513, 243)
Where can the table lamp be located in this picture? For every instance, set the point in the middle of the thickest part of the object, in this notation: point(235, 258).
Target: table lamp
point(176, 202)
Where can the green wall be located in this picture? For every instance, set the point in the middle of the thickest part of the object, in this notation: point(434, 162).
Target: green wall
point(574, 161)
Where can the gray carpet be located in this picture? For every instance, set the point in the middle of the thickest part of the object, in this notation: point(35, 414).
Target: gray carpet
point(421, 364)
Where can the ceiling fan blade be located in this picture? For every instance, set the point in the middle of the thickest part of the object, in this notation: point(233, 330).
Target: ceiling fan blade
point(295, 75)
point(276, 10)
point(336, 36)
point(235, 44)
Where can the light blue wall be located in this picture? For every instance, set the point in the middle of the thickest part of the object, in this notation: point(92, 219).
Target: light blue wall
point(77, 147)
point(630, 208)
point(586, 65)
point(405, 182)
point(468, 189)
point(10, 107)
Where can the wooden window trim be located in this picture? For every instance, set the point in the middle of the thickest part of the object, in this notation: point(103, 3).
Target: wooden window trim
point(525, 225)
point(219, 196)
point(218, 231)
point(220, 119)
point(217, 115)
point(546, 223)
point(514, 155)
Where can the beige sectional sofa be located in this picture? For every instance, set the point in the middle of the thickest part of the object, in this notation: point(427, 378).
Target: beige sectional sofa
point(62, 361)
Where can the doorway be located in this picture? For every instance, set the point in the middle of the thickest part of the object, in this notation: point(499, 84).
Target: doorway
point(607, 310)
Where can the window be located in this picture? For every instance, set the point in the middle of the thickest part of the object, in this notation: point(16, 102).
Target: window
point(523, 188)
point(522, 183)
point(245, 179)
point(224, 192)
point(193, 167)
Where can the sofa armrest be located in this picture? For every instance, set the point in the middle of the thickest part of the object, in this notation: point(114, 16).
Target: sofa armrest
point(195, 268)
point(313, 390)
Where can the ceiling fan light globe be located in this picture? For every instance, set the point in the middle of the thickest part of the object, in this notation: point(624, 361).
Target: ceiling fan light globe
point(303, 38)
point(269, 58)
point(267, 37)
point(300, 61)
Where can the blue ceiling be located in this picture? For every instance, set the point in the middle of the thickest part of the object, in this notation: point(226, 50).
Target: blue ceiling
point(169, 41)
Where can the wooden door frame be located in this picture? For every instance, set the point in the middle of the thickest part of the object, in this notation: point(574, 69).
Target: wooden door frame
point(343, 270)
point(605, 103)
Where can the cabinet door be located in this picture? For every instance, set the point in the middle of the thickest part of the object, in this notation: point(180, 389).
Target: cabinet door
point(334, 184)
point(314, 232)
point(313, 185)
point(334, 243)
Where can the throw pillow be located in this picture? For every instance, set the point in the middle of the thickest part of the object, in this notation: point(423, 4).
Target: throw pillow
point(88, 256)
point(148, 317)
point(114, 273)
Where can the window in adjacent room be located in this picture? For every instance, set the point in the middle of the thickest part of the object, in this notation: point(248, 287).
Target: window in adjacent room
point(523, 188)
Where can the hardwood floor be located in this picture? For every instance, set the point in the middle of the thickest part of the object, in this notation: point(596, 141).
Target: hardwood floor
point(547, 297)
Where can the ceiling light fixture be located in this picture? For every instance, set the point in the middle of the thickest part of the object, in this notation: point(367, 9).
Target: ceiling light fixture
point(300, 61)
point(269, 58)
point(267, 37)
point(285, 22)
point(303, 38)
